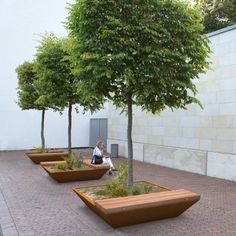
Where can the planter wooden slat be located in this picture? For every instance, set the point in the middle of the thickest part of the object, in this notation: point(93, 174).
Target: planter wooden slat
point(116, 205)
point(51, 163)
point(136, 198)
point(129, 210)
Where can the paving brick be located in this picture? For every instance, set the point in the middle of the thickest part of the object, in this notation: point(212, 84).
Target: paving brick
point(37, 205)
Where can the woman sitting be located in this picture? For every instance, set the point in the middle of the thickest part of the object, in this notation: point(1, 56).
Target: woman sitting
point(100, 157)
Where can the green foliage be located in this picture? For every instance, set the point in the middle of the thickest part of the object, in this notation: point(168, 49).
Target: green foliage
point(115, 189)
point(56, 82)
point(27, 93)
point(72, 163)
point(217, 14)
point(118, 186)
point(122, 173)
point(147, 188)
point(40, 149)
point(147, 50)
point(136, 190)
point(141, 189)
point(60, 167)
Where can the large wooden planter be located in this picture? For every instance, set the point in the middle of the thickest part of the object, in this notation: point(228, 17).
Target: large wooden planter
point(90, 173)
point(129, 210)
point(47, 156)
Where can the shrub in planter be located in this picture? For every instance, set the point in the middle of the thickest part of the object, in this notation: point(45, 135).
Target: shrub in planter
point(71, 163)
point(117, 187)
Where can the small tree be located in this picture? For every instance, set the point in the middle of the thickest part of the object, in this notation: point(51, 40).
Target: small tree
point(57, 82)
point(27, 93)
point(143, 53)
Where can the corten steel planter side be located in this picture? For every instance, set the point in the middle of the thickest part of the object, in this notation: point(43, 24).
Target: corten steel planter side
point(47, 156)
point(129, 210)
point(74, 175)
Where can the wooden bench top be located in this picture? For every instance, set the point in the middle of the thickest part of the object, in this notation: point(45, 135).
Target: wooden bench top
point(97, 166)
point(114, 205)
point(51, 163)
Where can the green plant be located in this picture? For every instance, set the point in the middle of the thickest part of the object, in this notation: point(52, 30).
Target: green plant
point(72, 163)
point(118, 186)
point(116, 189)
point(60, 167)
point(136, 190)
point(41, 149)
point(147, 188)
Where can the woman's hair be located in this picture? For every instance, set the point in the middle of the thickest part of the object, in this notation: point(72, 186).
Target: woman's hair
point(100, 144)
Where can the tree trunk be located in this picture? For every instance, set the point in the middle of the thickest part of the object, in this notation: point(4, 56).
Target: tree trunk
point(69, 128)
point(130, 145)
point(42, 129)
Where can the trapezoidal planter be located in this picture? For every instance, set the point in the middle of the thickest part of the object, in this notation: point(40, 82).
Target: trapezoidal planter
point(47, 156)
point(123, 211)
point(87, 172)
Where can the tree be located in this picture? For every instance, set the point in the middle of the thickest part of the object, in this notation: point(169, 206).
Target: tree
point(57, 82)
point(217, 14)
point(143, 53)
point(27, 93)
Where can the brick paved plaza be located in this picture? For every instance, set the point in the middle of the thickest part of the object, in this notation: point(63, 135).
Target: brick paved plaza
point(31, 203)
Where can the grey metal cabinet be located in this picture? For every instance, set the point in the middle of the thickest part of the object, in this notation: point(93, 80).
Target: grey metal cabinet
point(98, 131)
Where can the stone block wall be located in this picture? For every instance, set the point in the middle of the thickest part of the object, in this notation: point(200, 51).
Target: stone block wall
point(197, 140)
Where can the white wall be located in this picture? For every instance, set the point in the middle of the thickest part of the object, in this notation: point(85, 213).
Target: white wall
point(189, 139)
point(21, 23)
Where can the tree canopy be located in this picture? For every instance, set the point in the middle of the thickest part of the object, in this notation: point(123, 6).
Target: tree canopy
point(27, 93)
point(56, 81)
point(217, 14)
point(152, 49)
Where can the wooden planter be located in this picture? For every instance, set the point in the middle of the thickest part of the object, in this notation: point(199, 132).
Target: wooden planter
point(47, 156)
point(129, 210)
point(90, 173)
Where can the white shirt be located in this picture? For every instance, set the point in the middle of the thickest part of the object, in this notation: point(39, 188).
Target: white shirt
point(97, 151)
